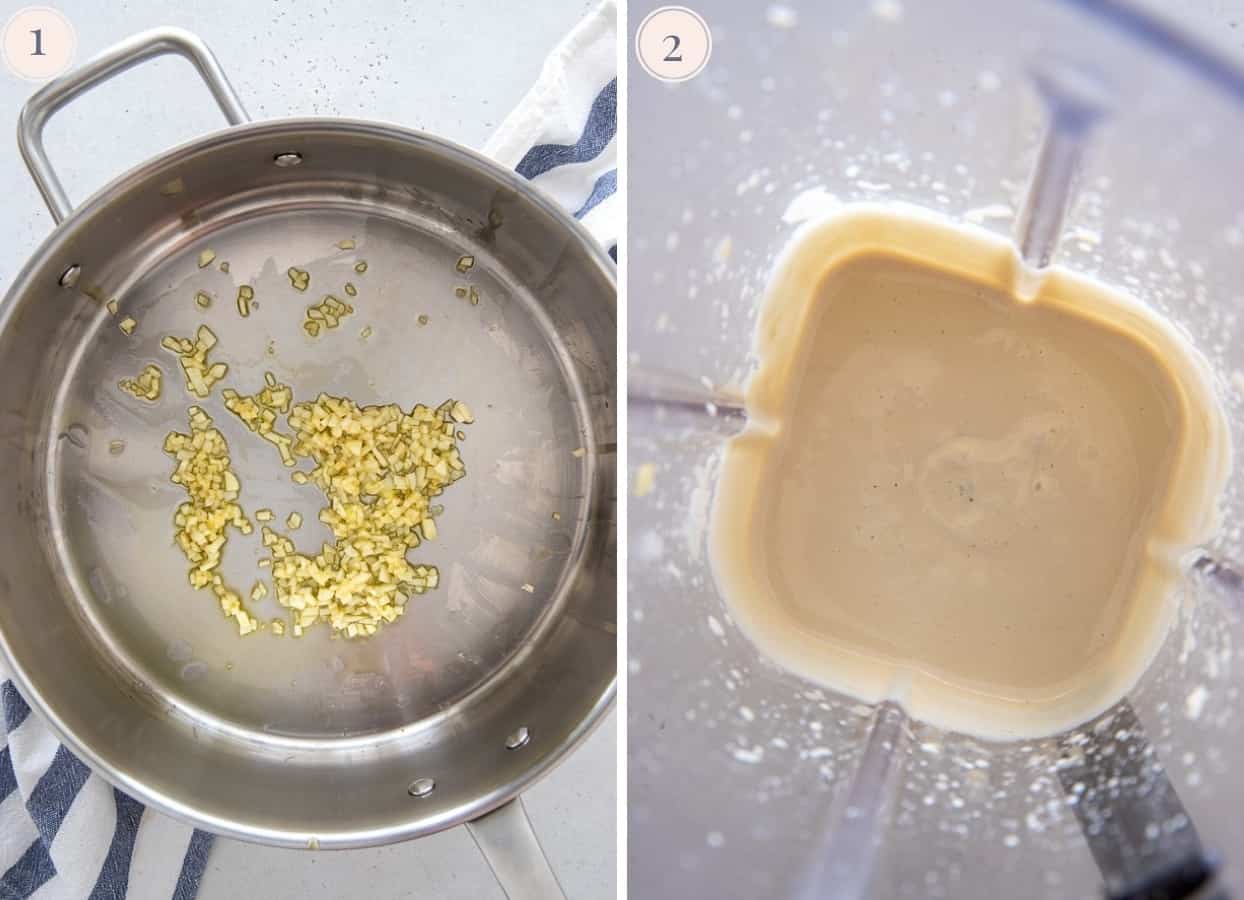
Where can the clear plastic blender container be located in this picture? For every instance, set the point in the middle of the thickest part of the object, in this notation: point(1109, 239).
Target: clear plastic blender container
point(1101, 138)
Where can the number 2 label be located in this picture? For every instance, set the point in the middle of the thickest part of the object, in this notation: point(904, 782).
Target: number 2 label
point(673, 43)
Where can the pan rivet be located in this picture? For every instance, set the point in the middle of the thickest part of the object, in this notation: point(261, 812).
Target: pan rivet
point(421, 787)
point(518, 738)
point(69, 277)
point(286, 160)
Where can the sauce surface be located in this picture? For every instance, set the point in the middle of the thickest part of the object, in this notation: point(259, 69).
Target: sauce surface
point(971, 503)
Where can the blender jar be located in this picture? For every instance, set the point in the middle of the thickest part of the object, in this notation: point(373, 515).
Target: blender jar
point(1099, 137)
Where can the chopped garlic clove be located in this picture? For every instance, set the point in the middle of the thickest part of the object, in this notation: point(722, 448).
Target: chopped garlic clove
point(200, 377)
point(146, 386)
point(299, 279)
point(246, 294)
point(203, 470)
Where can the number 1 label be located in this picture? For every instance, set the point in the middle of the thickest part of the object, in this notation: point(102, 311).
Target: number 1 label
point(38, 43)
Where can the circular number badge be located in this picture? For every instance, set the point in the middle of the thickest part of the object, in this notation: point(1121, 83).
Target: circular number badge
point(673, 43)
point(38, 43)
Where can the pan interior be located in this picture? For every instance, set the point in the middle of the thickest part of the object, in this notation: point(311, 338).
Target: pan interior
point(510, 531)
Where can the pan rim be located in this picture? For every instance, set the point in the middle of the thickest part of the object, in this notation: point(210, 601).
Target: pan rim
point(239, 828)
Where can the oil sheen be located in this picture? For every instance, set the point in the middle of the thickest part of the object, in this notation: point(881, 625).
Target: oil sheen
point(968, 502)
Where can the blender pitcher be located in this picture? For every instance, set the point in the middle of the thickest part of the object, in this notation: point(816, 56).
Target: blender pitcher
point(1097, 136)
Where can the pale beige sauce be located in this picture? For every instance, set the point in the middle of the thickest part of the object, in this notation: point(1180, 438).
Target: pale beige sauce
point(967, 502)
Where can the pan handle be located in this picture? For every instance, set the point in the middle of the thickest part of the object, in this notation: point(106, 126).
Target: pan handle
point(113, 61)
point(510, 845)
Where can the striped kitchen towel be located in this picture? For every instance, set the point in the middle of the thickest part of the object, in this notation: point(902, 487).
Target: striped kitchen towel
point(65, 832)
point(563, 135)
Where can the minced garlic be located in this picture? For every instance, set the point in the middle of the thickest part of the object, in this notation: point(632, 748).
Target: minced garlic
point(203, 468)
point(379, 468)
point(299, 279)
point(193, 356)
point(146, 385)
point(246, 296)
point(259, 412)
point(328, 313)
point(128, 324)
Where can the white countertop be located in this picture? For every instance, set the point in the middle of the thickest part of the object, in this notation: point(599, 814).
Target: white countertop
point(446, 66)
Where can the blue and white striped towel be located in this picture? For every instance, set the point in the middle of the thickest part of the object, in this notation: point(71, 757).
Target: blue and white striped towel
point(67, 833)
point(563, 135)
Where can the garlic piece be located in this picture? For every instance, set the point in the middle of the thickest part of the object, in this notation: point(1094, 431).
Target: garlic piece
point(146, 385)
point(200, 376)
point(379, 468)
point(203, 469)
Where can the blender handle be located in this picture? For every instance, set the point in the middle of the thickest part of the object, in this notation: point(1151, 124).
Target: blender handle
point(514, 854)
point(113, 61)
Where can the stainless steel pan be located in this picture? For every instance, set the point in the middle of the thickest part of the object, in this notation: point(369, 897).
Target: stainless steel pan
point(483, 685)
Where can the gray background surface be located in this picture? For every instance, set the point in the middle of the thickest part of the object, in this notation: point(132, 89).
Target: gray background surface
point(454, 68)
